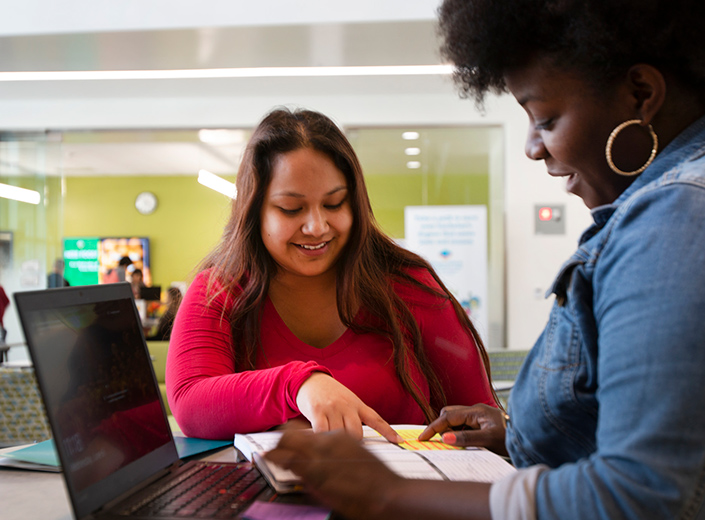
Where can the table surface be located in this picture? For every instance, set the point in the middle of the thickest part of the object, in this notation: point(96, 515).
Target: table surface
point(27, 494)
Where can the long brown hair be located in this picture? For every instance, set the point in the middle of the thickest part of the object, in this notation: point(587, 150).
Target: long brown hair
point(366, 269)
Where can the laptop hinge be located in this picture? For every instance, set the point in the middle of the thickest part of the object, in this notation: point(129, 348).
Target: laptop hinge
point(109, 506)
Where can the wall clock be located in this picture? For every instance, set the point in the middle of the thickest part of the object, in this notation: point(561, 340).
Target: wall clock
point(146, 202)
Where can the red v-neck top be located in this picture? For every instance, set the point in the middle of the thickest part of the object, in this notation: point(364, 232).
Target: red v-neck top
point(210, 400)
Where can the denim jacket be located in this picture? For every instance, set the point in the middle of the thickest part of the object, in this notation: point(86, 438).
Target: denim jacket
point(612, 396)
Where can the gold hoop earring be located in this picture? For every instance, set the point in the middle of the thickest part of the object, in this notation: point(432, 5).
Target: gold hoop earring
point(613, 136)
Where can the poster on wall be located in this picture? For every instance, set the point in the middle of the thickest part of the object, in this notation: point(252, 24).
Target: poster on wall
point(453, 239)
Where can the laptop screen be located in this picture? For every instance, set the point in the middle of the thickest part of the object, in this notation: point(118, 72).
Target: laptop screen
point(99, 389)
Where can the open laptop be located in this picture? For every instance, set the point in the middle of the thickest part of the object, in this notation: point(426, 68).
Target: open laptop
point(109, 425)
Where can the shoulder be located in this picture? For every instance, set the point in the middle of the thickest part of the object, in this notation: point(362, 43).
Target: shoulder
point(668, 207)
point(416, 288)
point(422, 275)
point(653, 242)
point(672, 208)
point(207, 286)
point(210, 278)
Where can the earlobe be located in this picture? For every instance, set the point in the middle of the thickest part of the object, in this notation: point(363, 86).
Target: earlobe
point(649, 90)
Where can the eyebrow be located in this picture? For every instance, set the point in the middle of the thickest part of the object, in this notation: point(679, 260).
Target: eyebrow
point(533, 97)
point(302, 196)
point(527, 98)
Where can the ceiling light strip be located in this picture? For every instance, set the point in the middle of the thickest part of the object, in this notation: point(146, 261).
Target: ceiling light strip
point(214, 182)
point(19, 194)
point(252, 72)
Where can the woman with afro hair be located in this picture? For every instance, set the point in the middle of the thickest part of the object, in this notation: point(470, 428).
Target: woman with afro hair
point(608, 411)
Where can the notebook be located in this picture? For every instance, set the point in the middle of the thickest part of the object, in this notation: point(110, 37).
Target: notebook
point(108, 422)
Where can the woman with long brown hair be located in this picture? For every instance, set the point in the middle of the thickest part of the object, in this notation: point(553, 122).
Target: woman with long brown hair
point(307, 313)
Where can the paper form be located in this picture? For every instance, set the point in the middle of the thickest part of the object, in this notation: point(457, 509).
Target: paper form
point(477, 465)
point(430, 460)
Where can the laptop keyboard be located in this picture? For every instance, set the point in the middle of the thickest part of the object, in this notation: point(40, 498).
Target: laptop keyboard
point(206, 491)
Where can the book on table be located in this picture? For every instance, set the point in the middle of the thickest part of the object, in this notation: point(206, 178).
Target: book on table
point(432, 460)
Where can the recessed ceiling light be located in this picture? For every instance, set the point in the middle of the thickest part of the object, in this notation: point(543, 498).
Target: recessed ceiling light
point(414, 165)
point(412, 151)
point(410, 136)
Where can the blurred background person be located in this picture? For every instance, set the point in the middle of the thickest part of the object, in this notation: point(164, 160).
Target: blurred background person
point(4, 304)
point(173, 301)
point(56, 277)
point(137, 283)
point(119, 273)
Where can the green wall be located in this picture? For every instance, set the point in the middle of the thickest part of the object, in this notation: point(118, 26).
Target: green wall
point(190, 218)
point(187, 224)
point(389, 194)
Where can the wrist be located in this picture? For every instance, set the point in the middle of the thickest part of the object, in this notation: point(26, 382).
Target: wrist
point(300, 373)
point(308, 385)
point(390, 500)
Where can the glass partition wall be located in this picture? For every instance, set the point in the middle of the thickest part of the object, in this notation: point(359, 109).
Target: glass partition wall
point(441, 166)
point(88, 183)
point(31, 216)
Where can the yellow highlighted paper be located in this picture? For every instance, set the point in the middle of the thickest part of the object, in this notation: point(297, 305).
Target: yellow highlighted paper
point(412, 444)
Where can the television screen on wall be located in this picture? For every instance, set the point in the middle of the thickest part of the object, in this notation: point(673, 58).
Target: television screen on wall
point(81, 260)
point(88, 259)
point(112, 249)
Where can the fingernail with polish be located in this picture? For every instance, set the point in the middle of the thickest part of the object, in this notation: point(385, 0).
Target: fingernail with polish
point(449, 438)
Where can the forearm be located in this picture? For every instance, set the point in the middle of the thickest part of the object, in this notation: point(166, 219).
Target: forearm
point(220, 406)
point(442, 500)
point(342, 474)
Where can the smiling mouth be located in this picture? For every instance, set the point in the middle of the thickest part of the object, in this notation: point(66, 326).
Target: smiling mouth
point(310, 247)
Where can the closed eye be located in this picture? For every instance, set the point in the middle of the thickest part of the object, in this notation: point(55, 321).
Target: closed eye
point(335, 206)
point(543, 125)
point(289, 211)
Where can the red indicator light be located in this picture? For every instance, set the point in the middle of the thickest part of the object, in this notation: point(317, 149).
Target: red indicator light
point(545, 213)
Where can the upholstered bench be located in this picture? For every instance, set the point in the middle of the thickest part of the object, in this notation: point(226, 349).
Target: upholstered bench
point(505, 365)
point(22, 416)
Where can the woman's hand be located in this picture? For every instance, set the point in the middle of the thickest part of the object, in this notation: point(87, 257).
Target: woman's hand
point(329, 405)
point(478, 425)
point(338, 471)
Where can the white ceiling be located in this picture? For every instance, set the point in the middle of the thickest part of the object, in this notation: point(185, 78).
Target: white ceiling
point(147, 152)
point(158, 151)
point(147, 159)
